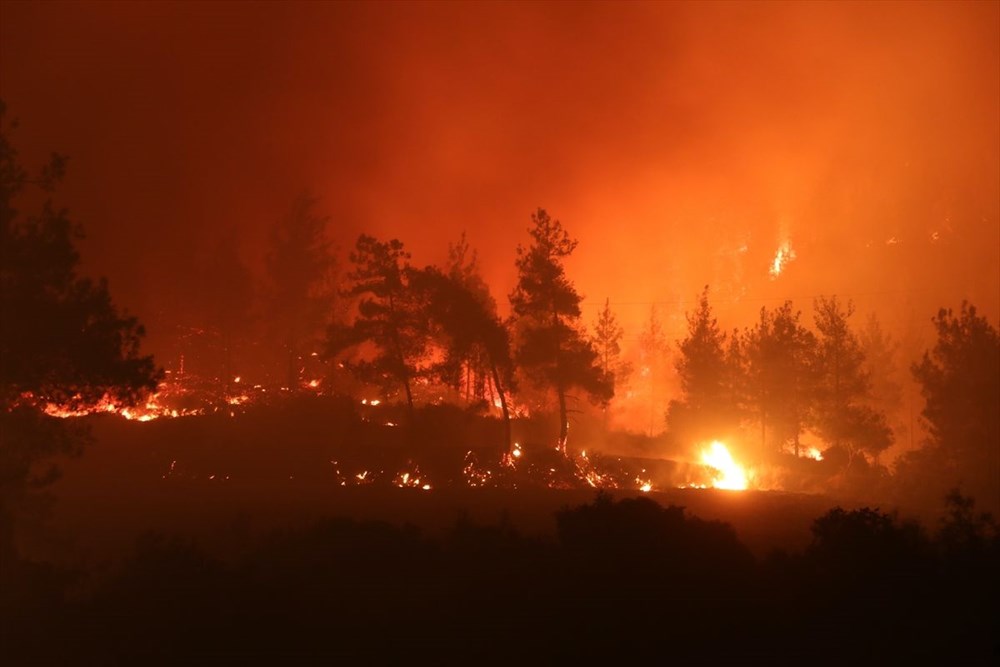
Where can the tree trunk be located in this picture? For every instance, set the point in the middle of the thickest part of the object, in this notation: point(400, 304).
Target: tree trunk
point(291, 368)
point(403, 373)
point(560, 390)
point(763, 431)
point(563, 420)
point(468, 382)
point(409, 396)
point(503, 406)
point(228, 363)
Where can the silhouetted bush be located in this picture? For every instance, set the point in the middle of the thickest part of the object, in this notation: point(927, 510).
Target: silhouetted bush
point(626, 579)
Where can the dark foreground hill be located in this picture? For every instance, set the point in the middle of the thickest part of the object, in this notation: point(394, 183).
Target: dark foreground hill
point(620, 581)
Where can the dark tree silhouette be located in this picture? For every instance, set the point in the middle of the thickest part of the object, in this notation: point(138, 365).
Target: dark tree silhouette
point(863, 546)
point(61, 337)
point(777, 352)
point(62, 340)
point(464, 321)
point(551, 347)
point(707, 409)
point(391, 316)
point(608, 334)
point(227, 297)
point(841, 410)
point(881, 351)
point(639, 534)
point(654, 350)
point(300, 265)
point(965, 533)
point(960, 381)
point(471, 363)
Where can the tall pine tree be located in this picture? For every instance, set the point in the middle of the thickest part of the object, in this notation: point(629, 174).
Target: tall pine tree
point(389, 316)
point(551, 347)
point(841, 410)
point(607, 339)
point(299, 268)
point(777, 353)
point(706, 411)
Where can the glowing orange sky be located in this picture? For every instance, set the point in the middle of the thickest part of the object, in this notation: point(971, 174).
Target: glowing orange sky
point(680, 143)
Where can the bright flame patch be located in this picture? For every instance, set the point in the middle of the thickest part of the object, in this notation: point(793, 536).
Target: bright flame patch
point(784, 255)
point(730, 475)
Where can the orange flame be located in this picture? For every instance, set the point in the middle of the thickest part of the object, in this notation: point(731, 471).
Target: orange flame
point(730, 475)
point(784, 255)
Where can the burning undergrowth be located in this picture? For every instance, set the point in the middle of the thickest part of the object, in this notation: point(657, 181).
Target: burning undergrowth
point(342, 442)
point(212, 432)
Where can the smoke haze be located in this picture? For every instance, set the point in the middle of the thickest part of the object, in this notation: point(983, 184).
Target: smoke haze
point(681, 144)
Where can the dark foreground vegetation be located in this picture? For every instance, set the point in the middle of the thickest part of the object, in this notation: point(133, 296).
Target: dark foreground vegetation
point(623, 580)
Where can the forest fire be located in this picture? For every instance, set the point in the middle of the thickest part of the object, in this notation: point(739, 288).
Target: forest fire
point(518, 467)
point(342, 309)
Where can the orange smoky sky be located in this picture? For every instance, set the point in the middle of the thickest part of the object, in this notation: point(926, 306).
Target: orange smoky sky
point(682, 144)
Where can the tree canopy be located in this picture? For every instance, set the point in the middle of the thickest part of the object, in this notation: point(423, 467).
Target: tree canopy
point(607, 339)
point(389, 316)
point(842, 413)
point(777, 352)
point(707, 408)
point(299, 267)
point(960, 381)
point(474, 343)
point(62, 339)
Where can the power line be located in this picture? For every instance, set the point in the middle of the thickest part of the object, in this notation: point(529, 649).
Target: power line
point(682, 302)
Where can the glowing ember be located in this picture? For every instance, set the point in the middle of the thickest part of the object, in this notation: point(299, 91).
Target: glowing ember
point(588, 472)
point(173, 466)
point(730, 474)
point(509, 458)
point(475, 476)
point(411, 480)
point(784, 255)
